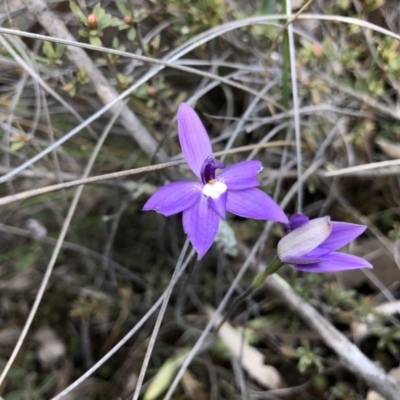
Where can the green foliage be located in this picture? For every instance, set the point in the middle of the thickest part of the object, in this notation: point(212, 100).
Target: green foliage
point(197, 16)
point(308, 357)
point(95, 23)
point(305, 287)
point(27, 383)
point(336, 296)
point(150, 93)
point(78, 80)
point(388, 50)
point(91, 307)
point(388, 338)
point(19, 140)
point(342, 391)
point(130, 19)
point(52, 53)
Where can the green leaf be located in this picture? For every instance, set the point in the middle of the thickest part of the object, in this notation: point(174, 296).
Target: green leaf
point(77, 12)
point(83, 33)
point(59, 50)
point(98, 11)
point(48, 49)
point(95, 41)
point(131, 34)
point(122, 7)
point(123, 26)
point(17, 146)
point(48, 383)
point(268, 7)
point(164, 376)
point(15, 395)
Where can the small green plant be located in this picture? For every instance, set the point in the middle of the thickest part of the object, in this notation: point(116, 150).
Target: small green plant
point(95, 23)
point(308, 357)
point(26, 383)
point(342, 391)
point(336, 296)
point(52, 54)
point(389, 339)
point(79, 79)
point(150, 93)
point(130, 18)
point(19, 140)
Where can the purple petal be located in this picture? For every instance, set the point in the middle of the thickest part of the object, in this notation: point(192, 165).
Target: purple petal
point(335, 262)
point(219, 204)
point(174, 198)
point(241, 176)
point(196, 145)
point(304, 239)
point(296, 221)
point(342, 234)
point(253, 203)
point(201, 225)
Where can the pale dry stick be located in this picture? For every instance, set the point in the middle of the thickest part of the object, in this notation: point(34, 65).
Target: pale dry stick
point(160, 317)
point(36, 174)
point(121, 174)
point(107, 356)
point(168, 61)
point(296, 105)
point(56, 251)
point(349, 354)
point(361, 168)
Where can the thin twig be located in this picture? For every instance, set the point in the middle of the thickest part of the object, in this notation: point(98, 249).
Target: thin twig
point(296, 105)
point(160, 317)
point(115, 175)
point(362, 168)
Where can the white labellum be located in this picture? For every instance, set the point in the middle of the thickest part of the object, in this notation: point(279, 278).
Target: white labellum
point(214, 190)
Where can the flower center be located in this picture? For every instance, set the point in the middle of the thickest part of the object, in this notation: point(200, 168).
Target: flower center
point(210, 165)
point(214, 189)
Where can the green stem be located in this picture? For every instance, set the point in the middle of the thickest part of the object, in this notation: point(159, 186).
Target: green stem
point(259, 280)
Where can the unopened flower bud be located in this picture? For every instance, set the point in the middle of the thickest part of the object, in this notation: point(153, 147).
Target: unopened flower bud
point(92, 21)
point(151, 91)
point(317, 50)
point(128, 19)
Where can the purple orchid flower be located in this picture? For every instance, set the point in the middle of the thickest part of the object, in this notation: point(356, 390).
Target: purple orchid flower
point(310, 245)
point(204, 202)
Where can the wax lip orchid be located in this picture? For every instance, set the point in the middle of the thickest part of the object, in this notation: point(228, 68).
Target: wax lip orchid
point(204, 202)
point(310, 245)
